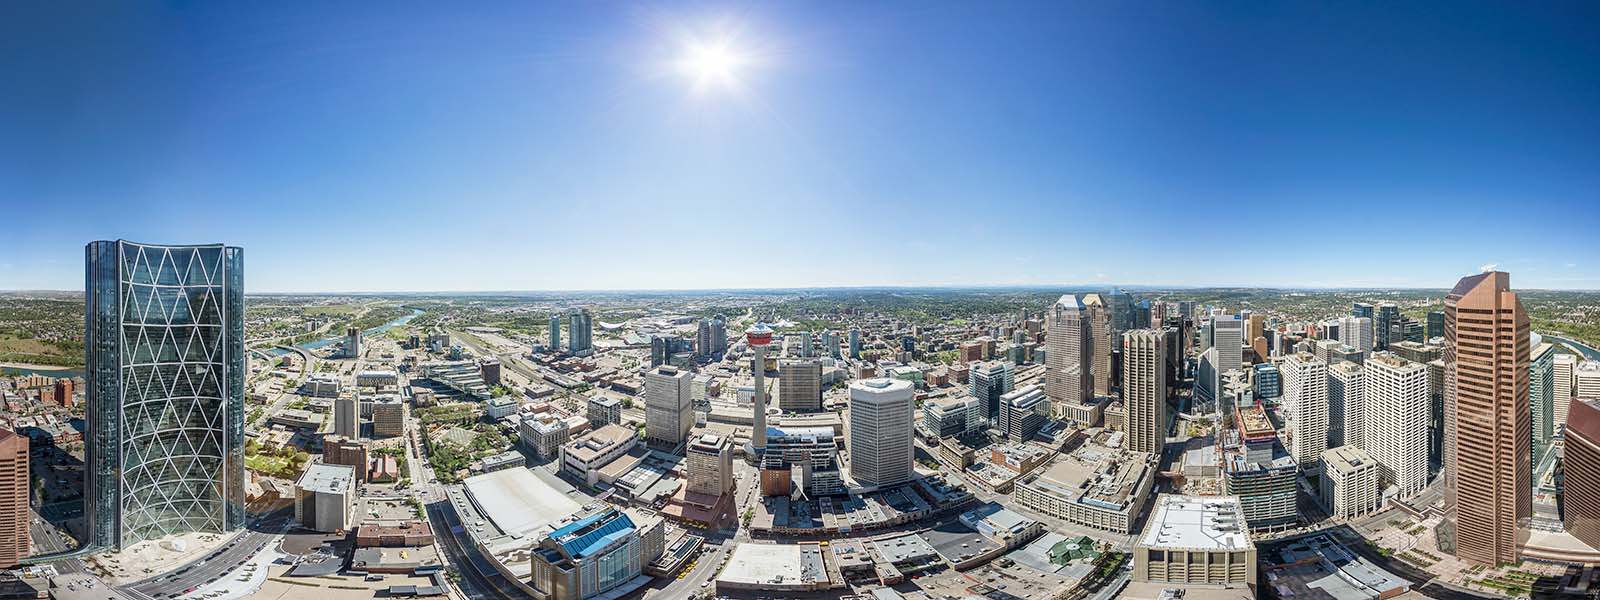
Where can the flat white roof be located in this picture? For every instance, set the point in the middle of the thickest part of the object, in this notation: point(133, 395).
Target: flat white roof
point(518, 501)
point(754, 563)
point(1196, 522)
point(328, 479)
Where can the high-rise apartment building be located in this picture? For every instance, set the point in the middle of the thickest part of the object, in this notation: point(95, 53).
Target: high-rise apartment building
point(15, 488)
point(668, 406)
point(1144, 390)
point(1305, 396)
point(1345, 405)
point(1068, 353)
point(882, 418)
point(1357, 332)
point(580, 330)
point(555, 332)
point(164, 345)
point(1396, 413)
point(800, 385)
point(855, 343)
point(1488, 486)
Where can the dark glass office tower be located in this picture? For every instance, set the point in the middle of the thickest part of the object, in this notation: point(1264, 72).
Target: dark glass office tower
point(164, 342)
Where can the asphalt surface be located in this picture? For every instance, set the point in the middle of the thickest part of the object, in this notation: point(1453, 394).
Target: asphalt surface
point(216, 565)
point(47, 540)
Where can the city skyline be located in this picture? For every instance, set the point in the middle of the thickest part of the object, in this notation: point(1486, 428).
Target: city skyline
point(884, 145)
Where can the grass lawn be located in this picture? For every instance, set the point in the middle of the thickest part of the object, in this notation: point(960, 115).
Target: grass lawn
point(265, 464)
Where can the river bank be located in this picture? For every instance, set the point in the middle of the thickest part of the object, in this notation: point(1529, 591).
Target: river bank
point(14, 369)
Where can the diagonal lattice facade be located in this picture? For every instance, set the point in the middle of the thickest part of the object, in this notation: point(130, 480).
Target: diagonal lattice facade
point(165, 345)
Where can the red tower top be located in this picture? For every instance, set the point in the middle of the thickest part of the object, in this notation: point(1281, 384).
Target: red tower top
point(758, 335)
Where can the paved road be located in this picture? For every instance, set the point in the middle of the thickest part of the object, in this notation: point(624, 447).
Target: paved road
point(216, 565)
point(704, 571)
point(479, 580)
point(47, 539)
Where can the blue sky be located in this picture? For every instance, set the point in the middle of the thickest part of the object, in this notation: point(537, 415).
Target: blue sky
point(553, 146)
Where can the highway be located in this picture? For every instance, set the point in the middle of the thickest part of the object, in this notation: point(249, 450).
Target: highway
point(219, 563)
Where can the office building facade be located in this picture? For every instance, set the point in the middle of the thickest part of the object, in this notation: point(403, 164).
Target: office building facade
point(881, 438)
point(165, 372)
point(668, 406)
point(1489, 473)
point(800, 385)
point(1305, 398)
point(1068, 353)
point(1144, 390)
point(1396, 413)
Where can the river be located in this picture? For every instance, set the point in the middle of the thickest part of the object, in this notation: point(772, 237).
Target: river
point(1588, 351)
point(314, 344)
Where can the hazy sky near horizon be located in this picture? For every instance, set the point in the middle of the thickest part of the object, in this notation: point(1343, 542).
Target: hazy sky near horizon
point(559, 145)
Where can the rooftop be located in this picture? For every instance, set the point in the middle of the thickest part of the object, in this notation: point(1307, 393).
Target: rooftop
point(518, 502)
point(1196, 522)
point(329, 479)
point(772, 564)
point(1347, 458)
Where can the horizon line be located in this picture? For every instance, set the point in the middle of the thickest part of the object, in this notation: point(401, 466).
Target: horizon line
point(1017, 287)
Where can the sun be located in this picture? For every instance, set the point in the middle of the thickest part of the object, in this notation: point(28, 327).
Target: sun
point(715, 63)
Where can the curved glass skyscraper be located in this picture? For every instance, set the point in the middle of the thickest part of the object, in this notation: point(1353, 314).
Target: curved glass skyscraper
point(165, 350)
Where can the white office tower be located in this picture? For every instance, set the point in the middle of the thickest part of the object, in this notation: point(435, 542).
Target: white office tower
point(1305, 396)
point(882, 417)
point(1356, 332)
point(1144, 389)
point(668, 406)
point(1068, 352)
point(1228, 338)
point(1586, 379)
point(1397, 420)
point(1349, 482)
point(1564, 367)
point(1345, 405)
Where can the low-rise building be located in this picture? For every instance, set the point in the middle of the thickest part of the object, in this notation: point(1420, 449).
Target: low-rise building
point(500, 407)
point(377, 378)
point(595, 554)
point(1195, 540)
point(1095, 486)
point(604, 411)
point(321, 385)
point(544, 434)
point(296, 418)
point(585, 457)
point(509, 459)
point(396, 534)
